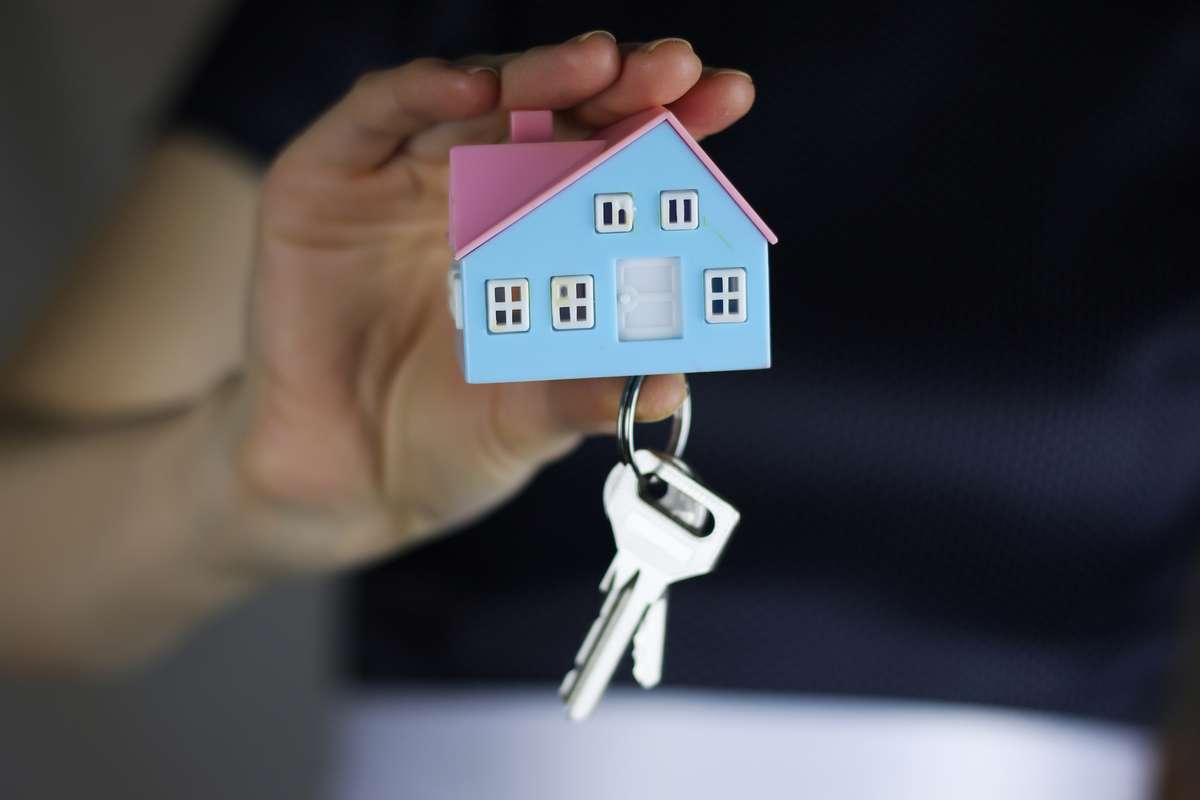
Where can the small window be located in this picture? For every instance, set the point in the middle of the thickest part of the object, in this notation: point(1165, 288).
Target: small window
point(680, 210)
point(508, 305)
point(725, 295)
point(614, 213)
point(573, 301)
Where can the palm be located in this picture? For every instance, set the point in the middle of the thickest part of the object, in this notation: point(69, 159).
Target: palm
point(355, 280)
point(359, 401)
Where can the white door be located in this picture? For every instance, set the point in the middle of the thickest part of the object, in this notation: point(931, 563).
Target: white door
point(649, 304)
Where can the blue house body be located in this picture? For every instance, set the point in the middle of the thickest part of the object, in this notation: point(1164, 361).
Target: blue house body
point(559, 237)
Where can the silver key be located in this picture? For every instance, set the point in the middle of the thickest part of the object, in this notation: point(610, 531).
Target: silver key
point(649, 641)
point(658, 543)
point(650, 637)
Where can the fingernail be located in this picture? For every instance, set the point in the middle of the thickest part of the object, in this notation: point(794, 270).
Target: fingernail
point(590, 34)
point(650, 47)
point(737, 72)
point(473, 69)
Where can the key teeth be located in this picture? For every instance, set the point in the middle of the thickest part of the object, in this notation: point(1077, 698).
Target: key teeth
point(568, 683)
point(648, 682)
point(577, 716)
point(606, 583)
point(648, 643)
point(634, 609)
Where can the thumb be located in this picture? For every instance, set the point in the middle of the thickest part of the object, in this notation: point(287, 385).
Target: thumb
point(383, 109)
point(590, 406)
point(537, 423)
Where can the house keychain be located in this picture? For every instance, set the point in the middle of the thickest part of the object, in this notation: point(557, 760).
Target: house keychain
point(558, 274)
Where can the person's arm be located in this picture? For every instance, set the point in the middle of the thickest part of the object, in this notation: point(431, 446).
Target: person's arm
point(115, 535)
point(172, 469)
point(115, 407)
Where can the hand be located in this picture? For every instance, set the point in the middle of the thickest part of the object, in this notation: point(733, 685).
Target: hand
point(357, 413)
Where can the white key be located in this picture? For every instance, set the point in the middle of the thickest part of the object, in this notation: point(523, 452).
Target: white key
point(650, 637)
point(649, 641)
point(659, 541)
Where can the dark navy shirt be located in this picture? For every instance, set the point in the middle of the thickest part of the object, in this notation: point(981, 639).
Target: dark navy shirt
point(973, 473)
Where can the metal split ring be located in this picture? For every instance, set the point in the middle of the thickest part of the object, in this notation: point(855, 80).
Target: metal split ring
point(681, 423)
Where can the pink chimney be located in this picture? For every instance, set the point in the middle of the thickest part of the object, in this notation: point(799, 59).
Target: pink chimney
point(531, 126)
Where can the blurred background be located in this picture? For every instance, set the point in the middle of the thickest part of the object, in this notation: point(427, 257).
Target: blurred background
point(242, 709)
point(246, 708)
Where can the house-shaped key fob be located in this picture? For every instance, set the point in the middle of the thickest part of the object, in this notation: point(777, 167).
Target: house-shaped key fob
point(628, 253)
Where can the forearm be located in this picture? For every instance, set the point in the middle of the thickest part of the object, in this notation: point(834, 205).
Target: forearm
point(116, 535)
point(108, 544)
point(135, 512)
point(119, 535)
point(153, 311)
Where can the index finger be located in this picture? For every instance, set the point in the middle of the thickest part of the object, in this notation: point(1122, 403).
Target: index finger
point(719, 99)
point(383, 109)
point(555, 77)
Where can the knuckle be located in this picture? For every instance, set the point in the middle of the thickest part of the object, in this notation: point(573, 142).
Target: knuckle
point(370, 86)
point(280, 180)
point(575, 66)
point(276, 179)
point(367, 81)
point(394, 85)
point(423, 63)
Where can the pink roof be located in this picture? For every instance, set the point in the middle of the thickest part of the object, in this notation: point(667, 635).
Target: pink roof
point(494, 185)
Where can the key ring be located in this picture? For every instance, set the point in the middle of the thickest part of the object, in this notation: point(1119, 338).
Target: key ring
point(681, 423)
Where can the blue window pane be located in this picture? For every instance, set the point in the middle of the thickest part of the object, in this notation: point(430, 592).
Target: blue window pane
point(718, 307)
point(716, 284)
